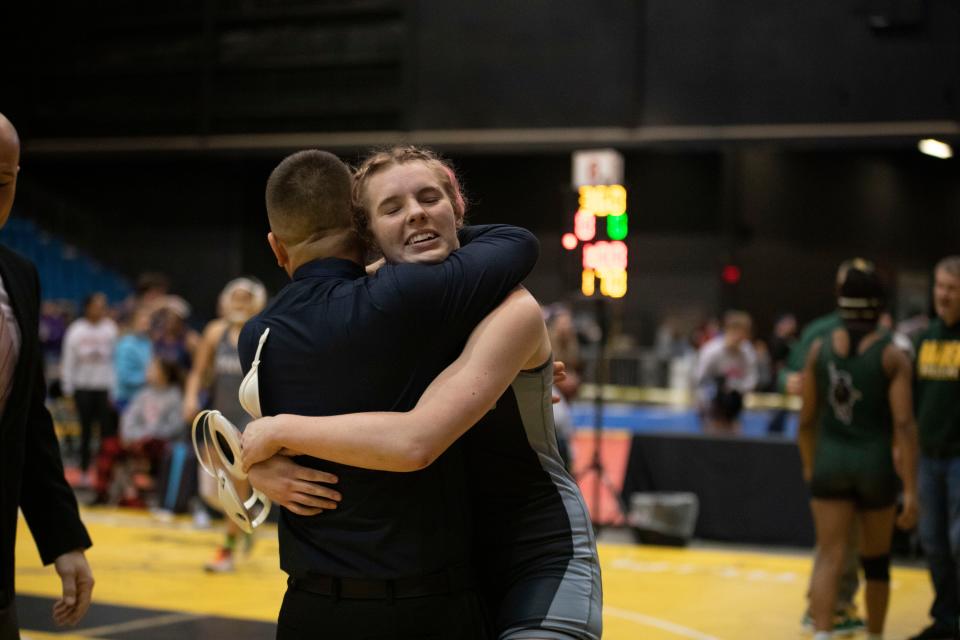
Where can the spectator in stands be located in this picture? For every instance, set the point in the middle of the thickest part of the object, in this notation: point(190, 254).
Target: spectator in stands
point(156, 411)
point(53, 327)
point(152, 287)
point(726, 370)
point(765, 380)
point(87, 373)
point(217, 368)
point(153, 418)
point(132, 356)
point(704, 333)
point(783, 338)
point(670, 346)
point(566, 348)
point(563, 335)
point(173, 339)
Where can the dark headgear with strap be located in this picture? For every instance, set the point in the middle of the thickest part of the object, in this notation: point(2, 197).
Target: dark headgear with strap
point(860, 296)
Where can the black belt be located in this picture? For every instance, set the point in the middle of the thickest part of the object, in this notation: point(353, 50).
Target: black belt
point(448, 580)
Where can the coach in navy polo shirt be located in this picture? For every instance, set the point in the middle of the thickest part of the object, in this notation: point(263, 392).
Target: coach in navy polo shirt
point(393, 560)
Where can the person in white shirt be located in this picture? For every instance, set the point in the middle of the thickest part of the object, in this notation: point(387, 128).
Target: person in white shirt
point(726, 371)
point(87, 373)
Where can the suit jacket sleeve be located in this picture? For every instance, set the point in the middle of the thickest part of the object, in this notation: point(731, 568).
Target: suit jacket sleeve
point(46, 499)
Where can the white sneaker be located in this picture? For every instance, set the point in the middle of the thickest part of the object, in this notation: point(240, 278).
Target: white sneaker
point(221, 563)
point(201, 519)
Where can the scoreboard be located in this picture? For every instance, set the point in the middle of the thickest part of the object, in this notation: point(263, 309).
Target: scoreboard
point(604, 260)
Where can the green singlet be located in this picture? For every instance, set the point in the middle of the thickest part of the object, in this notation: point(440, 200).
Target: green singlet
point(853, 459)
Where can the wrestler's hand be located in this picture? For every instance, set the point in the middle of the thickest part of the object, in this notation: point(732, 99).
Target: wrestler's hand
point(907, 519)
point(300, 489)
point(559, 375)
point(568, 383)
point(559, 371)
point(77, 588)
point(257, 442)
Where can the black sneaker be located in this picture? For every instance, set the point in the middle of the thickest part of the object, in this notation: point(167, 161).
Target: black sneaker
point(937, 631)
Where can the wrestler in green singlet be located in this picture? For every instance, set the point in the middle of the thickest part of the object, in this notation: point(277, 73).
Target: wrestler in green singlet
point(853, 452)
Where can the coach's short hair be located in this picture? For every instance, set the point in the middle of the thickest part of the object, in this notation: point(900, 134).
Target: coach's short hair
point(308, 194)
point(950, 264)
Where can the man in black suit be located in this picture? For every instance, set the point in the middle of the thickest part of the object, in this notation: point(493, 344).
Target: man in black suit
point(31, 472)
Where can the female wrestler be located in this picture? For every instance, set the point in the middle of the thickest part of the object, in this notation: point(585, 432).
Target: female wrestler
point(216, 368)
point(857, 408)
point(535, 541)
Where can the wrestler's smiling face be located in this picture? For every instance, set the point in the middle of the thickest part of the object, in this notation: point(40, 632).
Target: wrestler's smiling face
point(411, 216)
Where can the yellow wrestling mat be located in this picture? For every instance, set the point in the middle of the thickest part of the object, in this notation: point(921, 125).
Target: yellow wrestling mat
point(150, 585)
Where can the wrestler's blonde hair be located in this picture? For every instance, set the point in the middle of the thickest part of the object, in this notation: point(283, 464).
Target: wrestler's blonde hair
point(249, 284)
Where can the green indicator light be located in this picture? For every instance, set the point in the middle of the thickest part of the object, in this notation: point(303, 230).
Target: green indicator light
point(617, 227)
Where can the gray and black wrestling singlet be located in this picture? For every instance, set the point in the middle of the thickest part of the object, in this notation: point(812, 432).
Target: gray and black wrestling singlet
point(535, 547)
point(227, 375)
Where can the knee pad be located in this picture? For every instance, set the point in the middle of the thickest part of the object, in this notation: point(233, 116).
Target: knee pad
point(876, 568)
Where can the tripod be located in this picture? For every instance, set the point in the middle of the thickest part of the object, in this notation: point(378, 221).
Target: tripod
point(596, 468)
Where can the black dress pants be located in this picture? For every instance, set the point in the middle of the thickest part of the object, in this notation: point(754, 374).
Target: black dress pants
point(451, 616)
point(9, 628)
